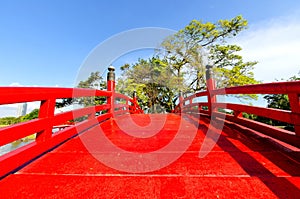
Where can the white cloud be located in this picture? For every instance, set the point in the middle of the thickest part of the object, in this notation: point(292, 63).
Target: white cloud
point(15, 84)
point(275, 44)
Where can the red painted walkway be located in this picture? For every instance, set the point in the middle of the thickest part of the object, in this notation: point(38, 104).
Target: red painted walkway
point(240, 165)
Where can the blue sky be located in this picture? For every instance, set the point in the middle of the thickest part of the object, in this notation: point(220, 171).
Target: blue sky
point(44, 43)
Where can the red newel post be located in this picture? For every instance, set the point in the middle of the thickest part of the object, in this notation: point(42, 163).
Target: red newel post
point(111, 87)
point(47, 108)
point(210, 84)
point(295, 108)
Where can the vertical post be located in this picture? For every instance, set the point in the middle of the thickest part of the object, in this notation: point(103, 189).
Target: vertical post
point(47, 108)
point(191, 108)
point(237, 114)
point(134, 102)
point(134, 96)
point(180, 101)
point(111, 87)
point(294, 99)
point(210, 84)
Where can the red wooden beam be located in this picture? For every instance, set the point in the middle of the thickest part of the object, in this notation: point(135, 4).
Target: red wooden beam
point(292, 89)
point(10, 95)
point(45, 139)
point(277, 133)
point(275, 114)
point(268, 88)
point(294, 99)
point(15, 132)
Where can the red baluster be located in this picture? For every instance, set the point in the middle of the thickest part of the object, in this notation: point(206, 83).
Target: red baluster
point(111, 87)
point(210, 84)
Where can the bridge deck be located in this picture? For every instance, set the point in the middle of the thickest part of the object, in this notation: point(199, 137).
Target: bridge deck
point(237, 166)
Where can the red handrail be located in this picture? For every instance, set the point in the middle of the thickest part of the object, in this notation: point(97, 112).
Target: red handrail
point(10, 95)
point(130, 105)
point(43, 125)
point(267, 88)
point(47, 120)
point(210, 107)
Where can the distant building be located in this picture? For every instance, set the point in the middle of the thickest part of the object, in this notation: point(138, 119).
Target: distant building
point(22, 109)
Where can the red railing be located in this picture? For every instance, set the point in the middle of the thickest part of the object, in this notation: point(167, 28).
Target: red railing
point(211, 108)
point(117, 104)
point(126, 104)
point(43, 126)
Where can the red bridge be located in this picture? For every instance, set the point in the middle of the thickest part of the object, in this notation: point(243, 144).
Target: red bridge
point(119, 152)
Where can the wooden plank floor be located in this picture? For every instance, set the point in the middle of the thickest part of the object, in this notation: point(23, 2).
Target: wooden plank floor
point(91, 166)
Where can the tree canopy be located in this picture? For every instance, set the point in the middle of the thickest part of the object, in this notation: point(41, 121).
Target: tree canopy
point(197, 43)
point(179, 63)
point(94, 81)
point(151, 80)
point(280, 101)
point(14, 120)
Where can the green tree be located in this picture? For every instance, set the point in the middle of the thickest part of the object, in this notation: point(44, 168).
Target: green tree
point(278, 101)
point(7, 120)
point(181, 65)
point(230, 69)
point(152, 80)
point(14, 120)
point(187, 50)
point(94, 81)
point(30, 116)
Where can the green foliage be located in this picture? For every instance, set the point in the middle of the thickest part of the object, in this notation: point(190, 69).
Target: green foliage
point(8, 120)
point(63, 102)
point(32, 115)
point(180, 66)
point(207, 33)
point(249, 116)
point(230, 69)
point(152, 80)
point(14, 120)
point(188, 48)
point(94, 81)
point(278, 101)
